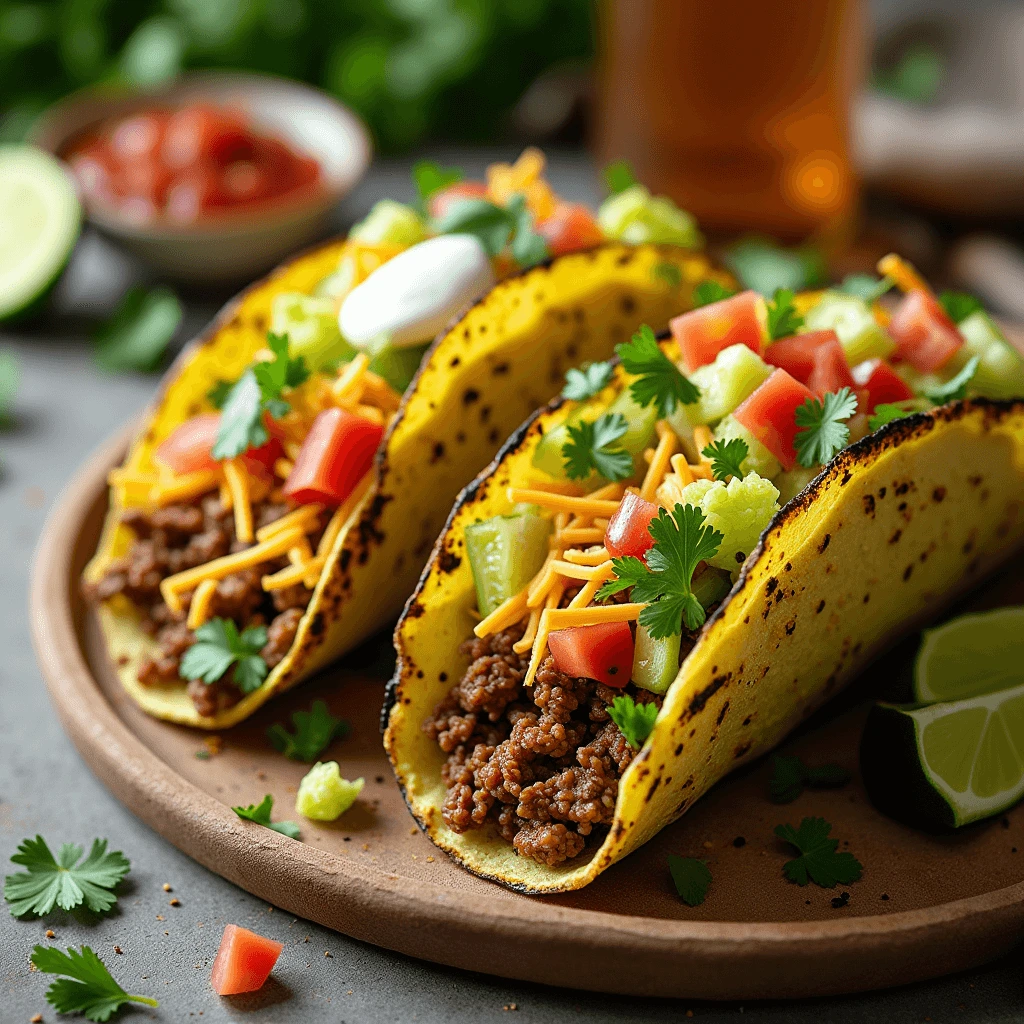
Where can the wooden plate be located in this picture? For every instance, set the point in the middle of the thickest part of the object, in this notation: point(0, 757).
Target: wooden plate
point(927, 905)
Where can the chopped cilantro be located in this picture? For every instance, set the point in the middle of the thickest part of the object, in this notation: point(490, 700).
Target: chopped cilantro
point(818, 861)
point(618, 176)
point(866, 286)
point(314, 731)
point(260, 814)
point(139, 330)
point(783, 319)
point(219, 393)
point(218, 646)
point(528, 247)
point(790, 775)
point(659, 378)
point(490, 224)
point(691, 878)
point(85, 985)
point(635, 721)
point(708, 292)
point(669, 273)
point(823, 430)
point(727, 457)
point(764, 266)
point(591, 446)
point(886, 412)
point(62, 880)
point(431, 177)
point(959, 305)
point(681, 540)
point(585, 383)
point(957, 387)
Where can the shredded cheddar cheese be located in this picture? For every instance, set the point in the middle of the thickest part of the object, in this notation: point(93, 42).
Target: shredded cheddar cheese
point(563, 502)
point(238, 484)
point(199, 608)
point(659, 463)
point(508, 613)
point(305, 516)
point(573, 535)
point(184, 487)
point(903, 273)
point(595, 556)
point(292, 574)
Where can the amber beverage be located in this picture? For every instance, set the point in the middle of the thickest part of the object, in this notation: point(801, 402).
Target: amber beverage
point(737, 109)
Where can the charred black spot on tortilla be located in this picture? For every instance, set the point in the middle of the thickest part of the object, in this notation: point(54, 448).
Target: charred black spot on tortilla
point(693, 732)
point(741, 751)
point(493, 435)
point(869, 505)
point(740, 557)
point(316, 626)
point(721, 714)
point(447, 562)
point(415, 610)
point(790, 627)
point(469, 396)
point(847, 477)
point(700, 699)
point(983, 494)
point(485, 414)
point(437, 453)
point(617, 830)
point(824, 543)
point(628, 305)
point(1002, 529)
point(779, 596)
point(679, 749)
point(770, 586)
point(455, 360)
point(857, 648)
point(821, 607)
point(895, 538)
point(938, 494)
point(788, 567)
point(652, 790)
point(419, 673)
point(968, 546)
point(688, 783)
point(906, 572)
point(973, 565)
point(901, 507)
point(748, 719)
point(974, 481)
point(500, 368)
point(461, 437)
point(881, 492)
point(625, 259)
point(746, 621)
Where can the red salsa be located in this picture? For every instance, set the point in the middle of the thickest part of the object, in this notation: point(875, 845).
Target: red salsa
point(188, 164)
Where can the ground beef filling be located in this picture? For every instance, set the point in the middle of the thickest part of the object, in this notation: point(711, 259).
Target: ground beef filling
point(542, 763)
point(170, 540)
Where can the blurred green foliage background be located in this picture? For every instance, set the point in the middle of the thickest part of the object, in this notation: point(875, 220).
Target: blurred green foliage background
point(415, 69)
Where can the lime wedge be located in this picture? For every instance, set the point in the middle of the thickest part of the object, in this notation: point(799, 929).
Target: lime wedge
point(971, 655)
point(40, 218)
point(949, 763)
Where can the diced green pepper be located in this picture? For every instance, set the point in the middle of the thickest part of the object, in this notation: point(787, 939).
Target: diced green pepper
point(636, 217)
point(1000, 372)
point(759, 460)
point(398, 366)
point(655, 662)
point(311, 324)
point(505, 553)
point(390, 222)
point(852, 320)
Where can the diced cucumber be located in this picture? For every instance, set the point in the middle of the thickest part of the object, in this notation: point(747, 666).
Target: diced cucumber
point(398, 366)
point(390, 222)
point(505, 553)
point(312, 328)
point(791, 482)
point(711, 585)
point(640, 422)
point(723, 384)
point(851, 318)
point(759, 460)
point(636, 217)
point(921, 383)
point(655, 662)
point(1000, 372)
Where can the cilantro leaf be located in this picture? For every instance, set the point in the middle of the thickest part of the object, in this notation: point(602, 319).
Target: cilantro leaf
point(669, 273)
point(314, 731)
point(585, 383)
point(957, 387)
point(708, 292)
point(691, 878)
point(260, 814)
point(282, 371)
point(63, 880)
point(139, 330)
point(492, 225)
point(528, 247)
point(659, 378)
point(959, 305)
point(886, 412)
point(866, 286)
point(783, 319)
point(635, 721)
point(618, 176)
point(727, 457)
point(790, 775)
point(818, 861)
point(681, 540)
point(219, 393)
point(823, 430)
point(86, 986)
point(590, 447)
point(431, 177)
point(218, 646)
point(765, 267)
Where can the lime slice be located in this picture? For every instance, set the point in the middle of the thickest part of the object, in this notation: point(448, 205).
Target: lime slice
point(949, 763)
point(971, 655)
point(40, 218)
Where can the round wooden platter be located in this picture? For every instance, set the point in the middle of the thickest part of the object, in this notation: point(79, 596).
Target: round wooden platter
point(926, 905)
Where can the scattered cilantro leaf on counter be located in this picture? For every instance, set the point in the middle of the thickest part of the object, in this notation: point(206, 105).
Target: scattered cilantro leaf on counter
point(260, 814)
point(618, 176)
point(590, 447)
point(218, 646)
point(727, 457)
point(314, 731)
point(10, 377)
point(790, 775)
point(866, 286)
point(783, 319)
point(818, 861)
point(669, 273)
point(708, 292)
point(585, 383)
point(886, 412)
point(138, 332)
point(635, 721)
point(959, 305)
point(62, 880)
point(691, 878)
point(682, 539)
point(85, 985)
point(490, 224)
point(957, 387)
point(218, 394)
point(431, 177)
point(528, 246)
point(823, 430)
point(659, 379)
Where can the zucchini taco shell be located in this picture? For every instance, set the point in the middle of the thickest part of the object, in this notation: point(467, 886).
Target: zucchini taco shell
point(505, 356)
point(892, 530)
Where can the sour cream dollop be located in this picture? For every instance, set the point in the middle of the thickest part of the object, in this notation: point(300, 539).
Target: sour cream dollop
point(411, 298)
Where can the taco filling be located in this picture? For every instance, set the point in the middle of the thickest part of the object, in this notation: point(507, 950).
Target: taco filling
point(644, 502)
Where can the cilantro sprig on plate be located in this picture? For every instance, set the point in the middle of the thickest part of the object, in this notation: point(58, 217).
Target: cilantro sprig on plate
point(635, 721)
point(727, 457)
point(691, 877)
point(85, 985)
point(823, 429)
point(783, 319)
point(66, 880)
point(708, 292)
point(218, 647)
point(818, 861)
point(587, 382)
point(314, 731)
point(591, 447)
point(259, 390)
point(682, 540)
point(790, 775)
point(659, 380)
point(259, 814)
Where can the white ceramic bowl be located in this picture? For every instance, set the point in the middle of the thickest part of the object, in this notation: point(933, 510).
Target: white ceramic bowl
point(240, 246)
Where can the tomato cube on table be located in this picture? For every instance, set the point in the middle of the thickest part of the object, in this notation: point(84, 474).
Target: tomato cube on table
point(244, 961)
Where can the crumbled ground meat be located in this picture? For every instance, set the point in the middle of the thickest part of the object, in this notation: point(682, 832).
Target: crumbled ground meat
point(178, 537)
point(542, 764)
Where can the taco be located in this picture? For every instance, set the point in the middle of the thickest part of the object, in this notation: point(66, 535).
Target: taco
point(283, 496)
point(599, 637)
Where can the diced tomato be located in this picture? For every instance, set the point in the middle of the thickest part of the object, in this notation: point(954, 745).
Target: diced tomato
point(244, 961)
point(603, 652)
point(193, 193)
point(628, 529)
point(188, 449)
point(139, 137)
point(202, 133)
point(444, 198)
point(816, 359)
point(570, 228)
point(881, 383)
point(336, 455)
point(702, 333)
point(770, 414)
point(925, 335)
